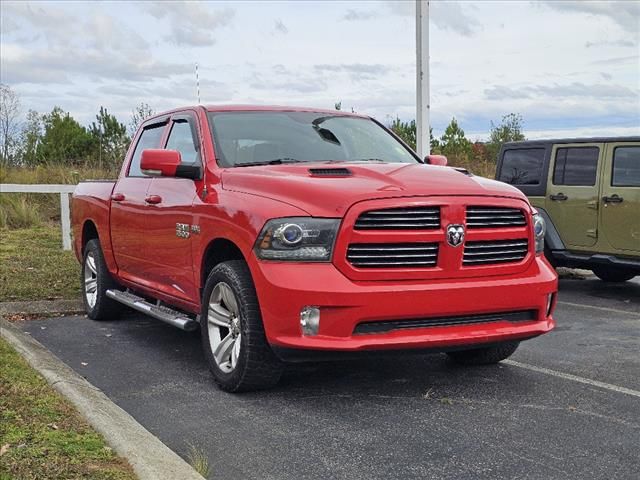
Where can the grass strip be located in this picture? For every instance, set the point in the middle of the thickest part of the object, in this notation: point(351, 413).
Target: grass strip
point(42, 436)
point(33, 265)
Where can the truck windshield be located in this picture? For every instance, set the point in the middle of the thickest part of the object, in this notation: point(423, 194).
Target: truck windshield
point(262, 138)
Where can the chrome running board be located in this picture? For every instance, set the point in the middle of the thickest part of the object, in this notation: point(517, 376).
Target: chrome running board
point(165, 314)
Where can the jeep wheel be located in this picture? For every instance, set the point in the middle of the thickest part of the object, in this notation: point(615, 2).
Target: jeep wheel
point(233, 337)
point(484, 356)
point(96, 280)
point(613, 274)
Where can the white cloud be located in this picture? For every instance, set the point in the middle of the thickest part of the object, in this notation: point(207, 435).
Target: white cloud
point(447, 15)
point(575, 89)
point(353, 15)
point(280, 27)
point(558, 67)
point(625, 13)
point(192, 24)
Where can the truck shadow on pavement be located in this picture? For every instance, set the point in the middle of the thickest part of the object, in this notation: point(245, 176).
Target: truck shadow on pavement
point(150, 352)
point(400, 374)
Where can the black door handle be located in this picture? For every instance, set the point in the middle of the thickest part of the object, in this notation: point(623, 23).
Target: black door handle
point(612, 199)
point(559, 197)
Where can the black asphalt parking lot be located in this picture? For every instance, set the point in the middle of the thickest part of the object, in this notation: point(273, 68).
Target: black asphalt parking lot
point(566, 406)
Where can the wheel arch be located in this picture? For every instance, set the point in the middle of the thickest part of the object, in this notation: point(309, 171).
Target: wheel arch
point(552, 238)
point(217, 251)
point(89, 232)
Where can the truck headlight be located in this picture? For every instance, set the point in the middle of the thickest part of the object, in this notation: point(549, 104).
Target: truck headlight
point(539, 230)
point(301, 239)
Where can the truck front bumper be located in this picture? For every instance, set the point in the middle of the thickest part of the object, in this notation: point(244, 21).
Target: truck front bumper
point(435, 314)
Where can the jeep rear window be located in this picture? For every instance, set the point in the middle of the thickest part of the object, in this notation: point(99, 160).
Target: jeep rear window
point(249, 138)
point(576, 166)
point(626, 167)
point(522, 166)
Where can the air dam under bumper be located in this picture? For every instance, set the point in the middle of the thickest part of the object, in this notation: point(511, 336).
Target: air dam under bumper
point(285, 288)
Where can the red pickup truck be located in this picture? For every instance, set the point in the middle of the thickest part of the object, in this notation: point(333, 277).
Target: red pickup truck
point(287, 234)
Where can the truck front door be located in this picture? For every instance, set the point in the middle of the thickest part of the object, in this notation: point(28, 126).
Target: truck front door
point(170, 224)
point(620, 200)
point(573, 192)
point(129, 210)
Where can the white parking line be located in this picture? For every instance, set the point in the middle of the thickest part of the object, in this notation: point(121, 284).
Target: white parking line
point(606, 309)
point(575, 378)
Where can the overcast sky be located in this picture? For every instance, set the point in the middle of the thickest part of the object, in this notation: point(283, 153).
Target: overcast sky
point(570, 68)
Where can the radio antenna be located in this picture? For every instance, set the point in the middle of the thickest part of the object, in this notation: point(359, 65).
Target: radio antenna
point(197, 84)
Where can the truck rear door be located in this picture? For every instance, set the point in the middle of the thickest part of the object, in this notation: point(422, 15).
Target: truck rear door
point(170, 223)
point(620, 197)
point(573, 192)
point(129, 210)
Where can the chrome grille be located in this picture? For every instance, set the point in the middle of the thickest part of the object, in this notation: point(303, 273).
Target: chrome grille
point(406, 218)
point(494, 217)
point(392, 255)
point(494, 251)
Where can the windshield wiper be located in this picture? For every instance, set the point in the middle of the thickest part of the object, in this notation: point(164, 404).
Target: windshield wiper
point(368, 160)
point(275, 161)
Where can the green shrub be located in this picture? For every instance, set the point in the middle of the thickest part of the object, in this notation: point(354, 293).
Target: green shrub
point(16, 211)
point(20, 210)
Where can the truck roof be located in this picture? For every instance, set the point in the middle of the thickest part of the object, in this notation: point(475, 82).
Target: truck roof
point(575, 140)
point(275, 108)
point(259, 108)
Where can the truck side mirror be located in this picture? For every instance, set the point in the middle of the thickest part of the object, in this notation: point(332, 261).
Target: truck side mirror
point(439, 160)
point(160, 163)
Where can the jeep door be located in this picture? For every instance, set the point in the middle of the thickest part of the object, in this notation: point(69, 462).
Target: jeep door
point(129, 209)
point(170, 219)
point(620, 197)
point(573, 192)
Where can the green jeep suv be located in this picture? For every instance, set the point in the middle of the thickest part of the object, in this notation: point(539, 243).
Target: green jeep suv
point(588, 192)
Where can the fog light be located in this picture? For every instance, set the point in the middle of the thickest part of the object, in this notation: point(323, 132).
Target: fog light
point(550, 299)
point(310, 320)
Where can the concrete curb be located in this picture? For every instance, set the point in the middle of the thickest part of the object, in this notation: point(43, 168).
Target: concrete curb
point(44, 307)
point(150, 458)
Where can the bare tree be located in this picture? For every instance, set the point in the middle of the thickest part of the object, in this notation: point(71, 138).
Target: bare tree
point(139, 115)
point(9, 123)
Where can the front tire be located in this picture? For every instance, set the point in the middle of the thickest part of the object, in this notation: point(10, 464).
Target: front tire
point(613, 274)
point(484, 356)
point(233, 337)
point(96, 280)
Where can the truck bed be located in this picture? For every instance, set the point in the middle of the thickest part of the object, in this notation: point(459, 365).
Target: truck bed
point(91, 202)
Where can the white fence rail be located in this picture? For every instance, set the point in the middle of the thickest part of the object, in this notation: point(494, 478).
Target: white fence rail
point(65, 212)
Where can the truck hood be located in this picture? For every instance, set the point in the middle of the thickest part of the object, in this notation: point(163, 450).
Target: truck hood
point(332, 195)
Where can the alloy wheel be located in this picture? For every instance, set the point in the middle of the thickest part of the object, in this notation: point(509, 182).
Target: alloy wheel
point(223, 321)
point(90, 279)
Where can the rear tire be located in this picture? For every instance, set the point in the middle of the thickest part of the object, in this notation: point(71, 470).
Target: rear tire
point(484, 356)
point(613, 274)
point(96, 280)
point(233, 337)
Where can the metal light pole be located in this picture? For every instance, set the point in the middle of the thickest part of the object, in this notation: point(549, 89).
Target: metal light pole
point(422, 78)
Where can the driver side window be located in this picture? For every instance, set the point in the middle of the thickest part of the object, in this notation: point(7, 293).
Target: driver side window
point(150, 138)
point(181, 139)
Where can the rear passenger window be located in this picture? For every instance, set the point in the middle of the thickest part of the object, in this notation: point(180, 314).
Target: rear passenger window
point(150, 138)
point(626, 167)
point(576, 166)
point(181, 139)
point(522, 166)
